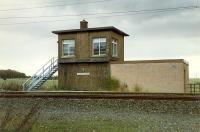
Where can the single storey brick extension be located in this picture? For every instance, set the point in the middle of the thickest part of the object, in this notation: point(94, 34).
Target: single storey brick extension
point(87, 57)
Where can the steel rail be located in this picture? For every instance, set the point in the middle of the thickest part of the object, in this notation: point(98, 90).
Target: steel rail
point(102, 95)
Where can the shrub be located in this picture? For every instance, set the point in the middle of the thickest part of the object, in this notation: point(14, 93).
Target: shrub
point(112, 84)
point(137, 88)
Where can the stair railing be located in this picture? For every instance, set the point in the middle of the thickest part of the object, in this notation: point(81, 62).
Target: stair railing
point(40, 74)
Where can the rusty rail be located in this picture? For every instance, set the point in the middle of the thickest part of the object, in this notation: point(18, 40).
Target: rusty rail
point(102, 95)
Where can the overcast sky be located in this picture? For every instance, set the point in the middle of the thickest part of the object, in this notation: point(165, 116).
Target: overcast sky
point(165, 35)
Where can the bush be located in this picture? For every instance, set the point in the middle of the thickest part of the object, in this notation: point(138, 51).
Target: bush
point(112, 84)
point(137, 88)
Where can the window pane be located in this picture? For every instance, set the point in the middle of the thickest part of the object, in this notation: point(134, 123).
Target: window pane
point(114, 50)
point(103, 48)
point(95, 48)
point(65, 49)
point(99, 46)
point(69, 42)
point(102, 39)
point(68, 47)
point(71, 50)
point(114, 47)
point(96, 40)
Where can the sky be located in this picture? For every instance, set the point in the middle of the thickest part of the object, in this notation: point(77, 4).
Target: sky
point(27, 43)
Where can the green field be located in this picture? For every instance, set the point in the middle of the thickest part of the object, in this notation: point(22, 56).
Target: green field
point(195, 80)
point(17, 84)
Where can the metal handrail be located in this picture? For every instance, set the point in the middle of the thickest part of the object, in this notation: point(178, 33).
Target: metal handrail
point(38, 71)
point(37, 80)
point(44, 65)
point(41, 72)
point(45, 69)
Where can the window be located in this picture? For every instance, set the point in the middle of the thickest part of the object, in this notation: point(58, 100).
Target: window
point(114, 48)
point(99, 46)
point(68, 47)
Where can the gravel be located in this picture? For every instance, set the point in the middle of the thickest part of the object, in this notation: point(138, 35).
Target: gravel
point(109, 115)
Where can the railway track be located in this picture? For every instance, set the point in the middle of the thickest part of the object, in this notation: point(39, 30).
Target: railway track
point(102, 95)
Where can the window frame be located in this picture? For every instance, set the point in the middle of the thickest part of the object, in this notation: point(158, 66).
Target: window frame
point(114, 42)
point(68, 56)
point(99, 45)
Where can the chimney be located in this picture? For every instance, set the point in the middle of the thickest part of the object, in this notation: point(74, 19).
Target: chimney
point(83, 24)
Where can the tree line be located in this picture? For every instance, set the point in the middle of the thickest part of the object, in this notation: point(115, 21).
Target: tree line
point(8, 74)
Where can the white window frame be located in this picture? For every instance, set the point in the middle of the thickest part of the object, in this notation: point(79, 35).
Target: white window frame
point(99, 45)
point(114, 45)
point(64, 42)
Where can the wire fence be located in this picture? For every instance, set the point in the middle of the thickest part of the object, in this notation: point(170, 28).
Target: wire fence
point(194, 88)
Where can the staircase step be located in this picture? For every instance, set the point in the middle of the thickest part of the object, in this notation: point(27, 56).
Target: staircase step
point(38, 80)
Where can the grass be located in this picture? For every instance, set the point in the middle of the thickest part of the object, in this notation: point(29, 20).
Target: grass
point(16, 84)
point(31, 123)
point(11, 122)
point(86, 125)
point(137, 88)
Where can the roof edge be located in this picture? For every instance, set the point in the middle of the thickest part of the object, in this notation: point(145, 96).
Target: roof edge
point(154, 61)
point(112, 28)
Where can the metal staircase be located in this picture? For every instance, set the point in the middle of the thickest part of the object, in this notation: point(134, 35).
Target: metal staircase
point(42, 75)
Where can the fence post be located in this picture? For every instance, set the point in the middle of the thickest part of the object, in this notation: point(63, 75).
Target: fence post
point(194, 88)
point(190, 85)
point(199, 88)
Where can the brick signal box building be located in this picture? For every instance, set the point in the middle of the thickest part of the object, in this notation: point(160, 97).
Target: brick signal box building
point(87, 57)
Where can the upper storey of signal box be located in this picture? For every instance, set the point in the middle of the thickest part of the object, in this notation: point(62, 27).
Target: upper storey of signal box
point(100, 44)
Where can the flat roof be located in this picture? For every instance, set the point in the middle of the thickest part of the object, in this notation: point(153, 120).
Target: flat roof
point(110, 28)
point(153, 61)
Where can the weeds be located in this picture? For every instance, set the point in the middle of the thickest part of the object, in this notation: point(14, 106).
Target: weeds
point(29, 120)
point(16, 85)
point(112, 84)
point(12, 86)
point(124, 87)
point(137, 88)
